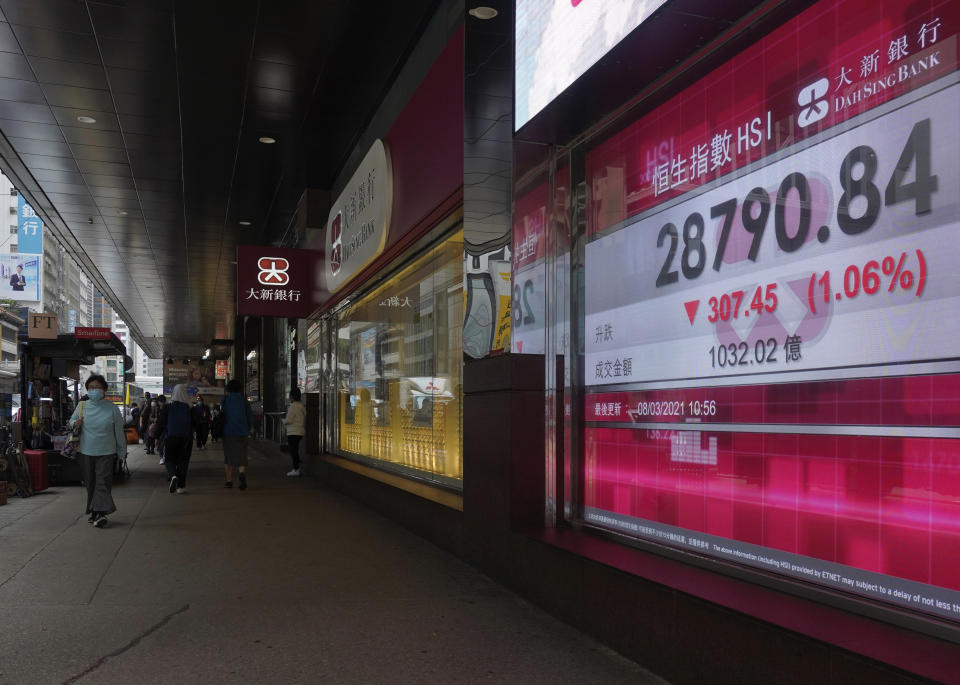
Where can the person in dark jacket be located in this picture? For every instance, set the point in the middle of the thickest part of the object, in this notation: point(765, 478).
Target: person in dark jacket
point(149, 422)
point(201, 419)
point(236, 432)
point(176, 423)
point(17, 280)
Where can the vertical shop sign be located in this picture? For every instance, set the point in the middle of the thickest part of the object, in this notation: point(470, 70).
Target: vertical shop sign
point(360, 218)
point(29, 229)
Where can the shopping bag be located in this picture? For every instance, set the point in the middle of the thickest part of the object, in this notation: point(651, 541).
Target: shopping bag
point(72, 448)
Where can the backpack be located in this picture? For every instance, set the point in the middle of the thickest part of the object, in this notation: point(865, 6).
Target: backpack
point(178, 421)
point(219, 423)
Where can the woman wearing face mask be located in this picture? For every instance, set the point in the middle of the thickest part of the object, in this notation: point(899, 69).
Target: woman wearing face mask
point(101, 441)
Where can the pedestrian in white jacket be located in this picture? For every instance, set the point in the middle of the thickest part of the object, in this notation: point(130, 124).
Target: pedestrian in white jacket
point(296, 421)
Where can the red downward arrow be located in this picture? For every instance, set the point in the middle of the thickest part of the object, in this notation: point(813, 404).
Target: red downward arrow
point(692, 309)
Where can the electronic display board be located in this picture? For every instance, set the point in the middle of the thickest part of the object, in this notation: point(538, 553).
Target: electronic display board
point(772, 311)
point(558, 40)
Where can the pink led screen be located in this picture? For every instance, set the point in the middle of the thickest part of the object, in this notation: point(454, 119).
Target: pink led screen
point(772, 312)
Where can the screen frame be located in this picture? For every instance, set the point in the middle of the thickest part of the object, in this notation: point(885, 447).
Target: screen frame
point(569, 512)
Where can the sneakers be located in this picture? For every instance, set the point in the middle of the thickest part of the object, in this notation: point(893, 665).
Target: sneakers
point(100, 522)
point(162, 461)
point(243, 481)
point(228, 484)
point(293, 472)
point(180, 491)
point(173, 484)
point(92, 518)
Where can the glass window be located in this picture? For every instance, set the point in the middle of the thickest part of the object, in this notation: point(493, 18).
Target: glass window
point(399, 369)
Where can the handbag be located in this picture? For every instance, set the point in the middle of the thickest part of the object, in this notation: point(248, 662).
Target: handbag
point(72, 447)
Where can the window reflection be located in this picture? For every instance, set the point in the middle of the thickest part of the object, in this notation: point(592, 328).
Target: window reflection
point(399, 368)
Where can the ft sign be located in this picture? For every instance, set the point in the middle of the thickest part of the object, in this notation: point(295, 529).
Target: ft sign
point(273, 281)
point(42, 327)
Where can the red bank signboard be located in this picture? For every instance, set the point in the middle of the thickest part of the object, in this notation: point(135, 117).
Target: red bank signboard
point(273, 281)
point(773, 258)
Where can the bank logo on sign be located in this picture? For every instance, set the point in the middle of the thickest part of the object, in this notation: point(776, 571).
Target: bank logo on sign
point(273, 271)
point(336, 244)
point(813, 108)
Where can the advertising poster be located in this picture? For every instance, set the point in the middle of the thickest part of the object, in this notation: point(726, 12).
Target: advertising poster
point(772, 309)
point(20, 277)
point(200, 377)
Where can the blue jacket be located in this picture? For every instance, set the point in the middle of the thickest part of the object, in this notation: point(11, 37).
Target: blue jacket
point(239, 421)
point(102, 431)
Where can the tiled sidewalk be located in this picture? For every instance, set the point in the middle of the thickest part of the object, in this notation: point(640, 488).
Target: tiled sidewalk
point(283, 583)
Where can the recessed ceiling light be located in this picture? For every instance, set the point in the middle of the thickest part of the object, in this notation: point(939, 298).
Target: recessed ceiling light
point(244, 223)
point(483, 12)
point(86, 120)
point(267, 140)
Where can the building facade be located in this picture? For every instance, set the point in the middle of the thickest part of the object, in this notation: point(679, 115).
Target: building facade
point(726, 424)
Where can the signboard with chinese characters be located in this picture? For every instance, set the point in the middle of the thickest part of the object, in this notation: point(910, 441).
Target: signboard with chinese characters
point(359, 219)
point(528, 305)
point(223, 368)
point(71, 320)
point(771, 326)
point(792, 234)
point(29, 229)
point(274, 281)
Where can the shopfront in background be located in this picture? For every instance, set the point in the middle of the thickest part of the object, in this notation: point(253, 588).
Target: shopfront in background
point(387, 354)
point(757, 265)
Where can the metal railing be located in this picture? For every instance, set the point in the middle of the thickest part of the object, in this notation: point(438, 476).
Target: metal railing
point(274, 427)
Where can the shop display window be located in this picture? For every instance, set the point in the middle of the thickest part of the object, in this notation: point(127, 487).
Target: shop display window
point(399, 369)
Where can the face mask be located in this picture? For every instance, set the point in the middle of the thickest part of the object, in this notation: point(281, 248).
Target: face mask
point(96, 394)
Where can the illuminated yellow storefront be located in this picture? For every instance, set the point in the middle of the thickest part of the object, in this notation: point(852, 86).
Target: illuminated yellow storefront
point(399, 361)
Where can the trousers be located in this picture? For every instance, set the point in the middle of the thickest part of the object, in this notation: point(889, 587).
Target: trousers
point(98, 477)
point(177, 458)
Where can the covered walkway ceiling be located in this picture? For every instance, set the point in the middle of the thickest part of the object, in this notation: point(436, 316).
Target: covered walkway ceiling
point(150, 195)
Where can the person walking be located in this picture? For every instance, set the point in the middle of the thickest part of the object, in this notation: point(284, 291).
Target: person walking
point(176, 423)
point(161, 436)
point(151, 415)
point(296, 420)
point(236, 431)
point(201, 421)
point(215, 434)
point(102, 441)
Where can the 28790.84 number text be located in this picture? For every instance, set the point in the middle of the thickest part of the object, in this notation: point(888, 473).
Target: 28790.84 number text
point(914, 157)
